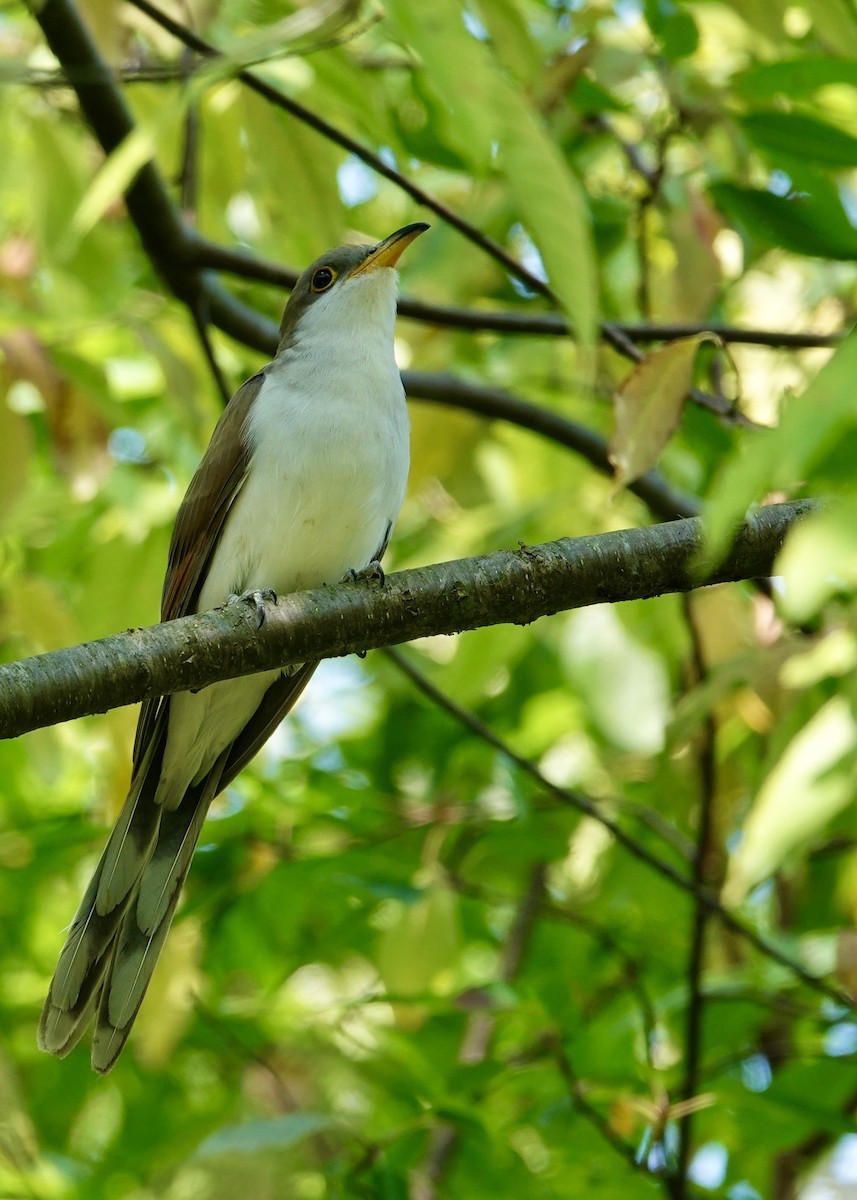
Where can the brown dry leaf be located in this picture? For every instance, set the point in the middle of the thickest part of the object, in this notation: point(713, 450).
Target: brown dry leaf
point(648, 406)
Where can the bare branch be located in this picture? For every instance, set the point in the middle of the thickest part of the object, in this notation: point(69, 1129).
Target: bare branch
point(703, 876)
point(516, 586)
point(513, 321)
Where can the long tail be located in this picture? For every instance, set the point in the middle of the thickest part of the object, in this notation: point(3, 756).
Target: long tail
point(119, 930)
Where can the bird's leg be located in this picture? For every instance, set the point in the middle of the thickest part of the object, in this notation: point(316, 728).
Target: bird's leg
point(256, 598)
point(373, 572)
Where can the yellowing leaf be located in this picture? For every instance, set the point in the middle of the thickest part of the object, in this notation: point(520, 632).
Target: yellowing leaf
point(807, 787)
point(648, 406)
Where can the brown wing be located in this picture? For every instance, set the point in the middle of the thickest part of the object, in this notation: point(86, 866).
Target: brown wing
point(212, 491)
point(199, 524)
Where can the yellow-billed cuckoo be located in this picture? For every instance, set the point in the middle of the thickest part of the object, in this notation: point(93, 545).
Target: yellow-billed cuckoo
point(301, 484)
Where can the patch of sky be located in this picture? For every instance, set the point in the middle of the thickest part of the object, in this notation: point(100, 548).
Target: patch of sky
point(780, 183)
point(849, 202)
point(474, 25)
point(356, 182)
point(841, 1040)
point(338, 701)
point(708, 1166)
point(527, 252)
point(127, 445)
point(756, 1073)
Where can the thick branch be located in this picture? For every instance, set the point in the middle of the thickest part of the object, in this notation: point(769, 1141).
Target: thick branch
point(511, 586)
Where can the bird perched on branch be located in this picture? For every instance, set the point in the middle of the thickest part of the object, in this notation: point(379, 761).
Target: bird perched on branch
point(301, 484)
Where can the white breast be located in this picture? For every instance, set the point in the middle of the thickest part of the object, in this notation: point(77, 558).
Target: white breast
point(328, 440)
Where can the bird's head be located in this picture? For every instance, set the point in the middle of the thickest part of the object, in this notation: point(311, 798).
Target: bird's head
point(350, 290)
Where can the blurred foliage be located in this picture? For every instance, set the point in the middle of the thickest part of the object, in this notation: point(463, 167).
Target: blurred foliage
point(356, 1000)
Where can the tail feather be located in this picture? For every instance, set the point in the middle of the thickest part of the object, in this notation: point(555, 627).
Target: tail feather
point(133, 960)
point(177, 837)
point(120, 927)
point(138, 944)
point(83, 959)
point(118, 931)
point(60, 1029)
point(89, 937)
point(131, 841)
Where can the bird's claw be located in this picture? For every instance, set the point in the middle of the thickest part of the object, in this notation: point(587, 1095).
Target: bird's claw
point(373, 572)
point(256, 598)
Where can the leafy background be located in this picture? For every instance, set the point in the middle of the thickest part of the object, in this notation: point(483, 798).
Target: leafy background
point(407, 966)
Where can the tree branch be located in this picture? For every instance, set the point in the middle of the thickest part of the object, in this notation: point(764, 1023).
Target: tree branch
point(515, 586)
point(703, 875)
point(245, 265)
point(651, 488)
point(339, 138)
point(186, 262)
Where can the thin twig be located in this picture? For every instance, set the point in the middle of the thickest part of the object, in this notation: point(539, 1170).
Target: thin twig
point(199, 311)
point(329, 131)
point(189, 173)
point(476, 1039)
point(589, 808)
point(245, 265)
point(703, 877)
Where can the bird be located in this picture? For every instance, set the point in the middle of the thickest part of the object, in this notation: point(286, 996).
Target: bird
point(300, 486)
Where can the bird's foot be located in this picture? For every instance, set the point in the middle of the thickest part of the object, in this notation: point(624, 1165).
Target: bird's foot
point(255, 598)
point(373, 572)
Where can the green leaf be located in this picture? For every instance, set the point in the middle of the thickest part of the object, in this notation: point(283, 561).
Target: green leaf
point(797, 134)
point(794, 78)
point(119, 169)
point(835, 23)
point(485, 109)
point(551, 204)
point(819, 560)
point(673, 26)
point(275, 1133)
point(813, 225)
point(449, 55)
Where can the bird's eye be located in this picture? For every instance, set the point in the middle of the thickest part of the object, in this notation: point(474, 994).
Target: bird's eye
point(322, 279)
